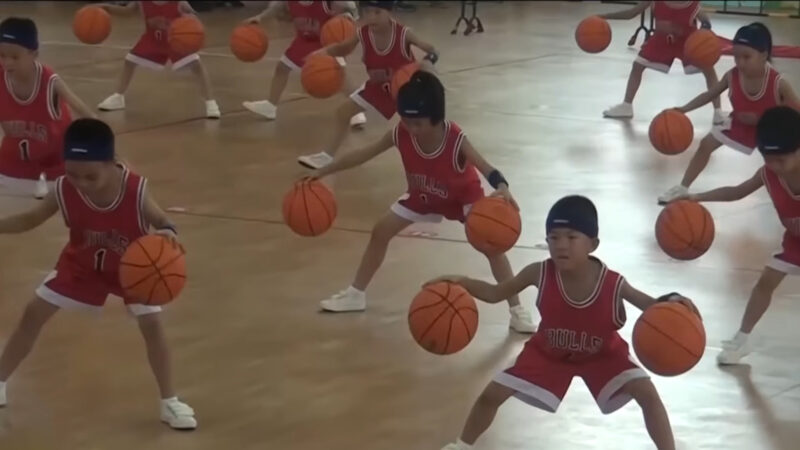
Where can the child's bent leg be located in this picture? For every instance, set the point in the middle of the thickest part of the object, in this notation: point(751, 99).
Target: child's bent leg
point(116, 101)
point(655, 415)
point(482, 414)
point(521, 319)
point(698, 162)
point(353, 298)
point(269, 108)
point(200, 73)
point(349, 87)
point(625, 109)
point(341, 128)
point(19, 345)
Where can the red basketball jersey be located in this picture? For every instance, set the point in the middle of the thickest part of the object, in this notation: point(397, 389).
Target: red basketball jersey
point(576, 330)
point(158, 16)
point(381, 64)
point(680, 14)
point(767, 97)
point(442, 177)
point(99, 236)
point(33, 128)
point(787, 204)
point(309, 17)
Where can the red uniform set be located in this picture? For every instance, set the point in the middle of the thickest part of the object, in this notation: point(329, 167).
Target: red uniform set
point(308, 18)
point(734, 133)
point(152, 50)
point(88, 268)
point(787, 204)
point(575, 338)
point(661, 50)
point(376, 94)
point(440, 184)
point(33, 131)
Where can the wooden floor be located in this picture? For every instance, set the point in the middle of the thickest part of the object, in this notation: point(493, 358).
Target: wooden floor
point(265, 370)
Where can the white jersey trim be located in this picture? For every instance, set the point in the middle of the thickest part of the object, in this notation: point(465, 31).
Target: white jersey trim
point(619, 305)
point(389, 47)
point(123, 189)
point(53, 107)
point(598, 287)
point(439, 150)
point(405, 48)
point(457, 153)
point(141, 196)
point(37, 82)
point(542, 278)
point(62, 206)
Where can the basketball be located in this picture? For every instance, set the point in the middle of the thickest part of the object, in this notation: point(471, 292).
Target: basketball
point(152, 271)
point(493, 225)
point(322, 76)
point(309, 209)
point(91, 25)
point(593, 34)
point(669, 339)
point(702, 49)
point(671, 132)
point(402, 76)
point(249, 43)
point(685, 230)
point(336, 30)
point(186, 35)
point(443, 318)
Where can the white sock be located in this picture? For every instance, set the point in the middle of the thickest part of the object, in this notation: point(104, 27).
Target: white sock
point(463, 445)
point(2, 385)
point(169, 400)
point(352, 290)
point(741, 336)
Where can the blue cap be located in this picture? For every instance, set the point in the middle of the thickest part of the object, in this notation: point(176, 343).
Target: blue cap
point(574, 212)
point(778, 131)
point(88, 140)
point(19, 31)
point(754, 36)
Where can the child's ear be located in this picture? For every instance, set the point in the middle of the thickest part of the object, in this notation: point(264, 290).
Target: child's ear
point(595, 243)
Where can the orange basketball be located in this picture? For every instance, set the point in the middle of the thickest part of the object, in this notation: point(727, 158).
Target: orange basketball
point(152, 271)
point(443, 318)
point(402, 76)
point(91, 25)
point(322, 76)
point(309, 208)
point(186, 35)
point(702, 49)
point(671, 132)
point(685, 230)
point(249, 42)
point(338, 29)
point(669, 339)
point(493, 225)
point(593, 34)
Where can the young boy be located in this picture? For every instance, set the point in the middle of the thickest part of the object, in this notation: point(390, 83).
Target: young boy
point(675, 21)
point(387, 48)
point(105, 207)
point(153, 51)
point(308, 18)
point(580, 301)
point(440, 165)
point(33, 111)
point(778, 138)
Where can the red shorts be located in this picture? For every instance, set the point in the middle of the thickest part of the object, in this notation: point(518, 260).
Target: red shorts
point(154, 53)
point(295, 55)
point(736, 135)
point(661, 50)
point(375, 96)
point(542, 381)
point(48, 161)
point(416, 209)
point(788, 259)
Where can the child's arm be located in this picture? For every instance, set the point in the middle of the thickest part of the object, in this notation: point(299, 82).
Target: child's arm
point(157, 218)
point(186, 9)
point(348, 8)
point(643, 301)
point(430, 51)
point(340, 49)
point(627, 14)
point(730, 193)
point(275, 9)
point(125, 9)
point(496, 293)
point(493, 175)
point(788, 96)
point(356, 158)
point(707, 96)
point(74, 102)
point(30, 219)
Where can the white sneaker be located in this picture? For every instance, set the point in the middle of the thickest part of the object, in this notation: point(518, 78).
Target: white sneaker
point(733, 351)
point(3, 401)
point(451, 447)
point(315, 161)
point(177, 414)
point(719, 117)
point(358, 120)
point(113, 103)
point(212, 110)
point(346, 301)
point(41, 188)
point(263, 108)
point(621, 111)
point(673, 193)
point(521, 320)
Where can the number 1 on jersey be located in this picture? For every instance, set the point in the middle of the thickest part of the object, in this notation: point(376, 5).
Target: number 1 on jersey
point(24, 150)
point(99, 259)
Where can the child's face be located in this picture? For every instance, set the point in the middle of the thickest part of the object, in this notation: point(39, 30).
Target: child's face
point(749, 60)
point(569, 249)
point(784, 164)
point(375, 16)
point(419, 127)
point(90, 177)
point(16, 59)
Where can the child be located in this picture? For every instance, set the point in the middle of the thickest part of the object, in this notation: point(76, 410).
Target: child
point(440, 165)
point(33, 111)
point(105, 207)
point(308, 18)
point(778, 138)
point(580, 301)
point(753, 86)
point(153, 51)
point(387, 48)
point(675, 21)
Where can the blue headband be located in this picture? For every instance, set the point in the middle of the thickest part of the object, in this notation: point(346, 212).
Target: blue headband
point(563, 217)
point(88, 151)
point(414, 108)
point(753, 37)
point(16, 32)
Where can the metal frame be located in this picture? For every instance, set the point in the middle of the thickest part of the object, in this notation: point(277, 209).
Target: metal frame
point(473, 23)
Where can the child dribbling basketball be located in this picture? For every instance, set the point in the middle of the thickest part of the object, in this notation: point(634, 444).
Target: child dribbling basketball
point(581, 304)
point(778, 140)
point(674, 22)
point(34, 112)
point(753, 86)
point(387, 48)
point(106, 207)
point(440, 165)
point(153, 51)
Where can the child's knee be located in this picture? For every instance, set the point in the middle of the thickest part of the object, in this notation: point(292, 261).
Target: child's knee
point(493, 396)
point(346, 111)
point(637, 68)
point(642, 390)
point(36, 314)
point(150, 324)
point(708, 145)
point(382, 232)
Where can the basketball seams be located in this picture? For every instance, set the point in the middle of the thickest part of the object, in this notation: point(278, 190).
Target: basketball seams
point(700, 331)
point(155, 266)
point(324, 204)
point(492, 219)
point(450, 307)
point(305, 207)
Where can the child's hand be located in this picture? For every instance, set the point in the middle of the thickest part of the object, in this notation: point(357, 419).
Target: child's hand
point(172, 238)
point(255, 20)
point(689, 304)
point(504, 193)
point(455, 279)
point(747, 118)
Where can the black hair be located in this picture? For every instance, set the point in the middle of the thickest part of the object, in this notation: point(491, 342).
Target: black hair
point(576, 212)
point(89, 140)
point(778, 131)
point(425, 94)
point(579, 204)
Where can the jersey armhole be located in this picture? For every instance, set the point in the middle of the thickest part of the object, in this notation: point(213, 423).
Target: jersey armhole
point(405, 46)
point(52, 98)
point(458, 164)
point(777, 88)
point(59, 193)
point(619, 304)
point(396, 136)
point(542, 278)
point(141, 196)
